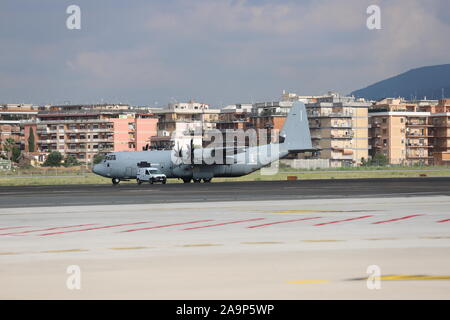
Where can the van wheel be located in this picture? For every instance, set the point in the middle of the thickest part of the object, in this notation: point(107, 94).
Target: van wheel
point(186, 180)
point(139, 181)
point(197, 180)
point(151, 181)
point(207, 180)
point(164, 181)
point(115, 181)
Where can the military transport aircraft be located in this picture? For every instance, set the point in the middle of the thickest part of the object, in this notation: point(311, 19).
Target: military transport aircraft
point(197, 164)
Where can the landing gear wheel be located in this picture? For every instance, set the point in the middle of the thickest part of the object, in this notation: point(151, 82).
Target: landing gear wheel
point(186, 180)
point(197, 180)
point(139, 181)
point(207, 180)
point(115, 181)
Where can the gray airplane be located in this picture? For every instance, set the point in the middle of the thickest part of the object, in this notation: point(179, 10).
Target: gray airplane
point(294, 137)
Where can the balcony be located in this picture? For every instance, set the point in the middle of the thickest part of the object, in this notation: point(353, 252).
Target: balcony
point(330, 115)
point(418, 124)
point(341, 125)
point(419, 146)
point(411, 135)
point(342, 136)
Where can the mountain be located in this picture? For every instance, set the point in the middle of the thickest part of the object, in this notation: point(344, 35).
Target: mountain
point(416, 83)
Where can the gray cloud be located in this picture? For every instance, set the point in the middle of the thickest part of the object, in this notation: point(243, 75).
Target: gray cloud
point(215, 51)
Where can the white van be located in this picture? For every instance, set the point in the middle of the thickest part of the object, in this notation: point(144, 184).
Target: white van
point(150, 174)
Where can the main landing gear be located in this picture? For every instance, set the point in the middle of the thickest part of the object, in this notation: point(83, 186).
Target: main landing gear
point(208, 180)
point(115, 181)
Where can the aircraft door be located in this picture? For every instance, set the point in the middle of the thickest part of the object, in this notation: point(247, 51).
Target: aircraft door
point(128, 172)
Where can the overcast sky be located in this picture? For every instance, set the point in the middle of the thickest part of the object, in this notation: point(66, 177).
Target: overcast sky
point(217, 52)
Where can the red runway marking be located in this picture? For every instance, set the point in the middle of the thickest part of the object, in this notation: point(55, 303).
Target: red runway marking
point(222, 224)
point(96, 228)
point(446, 220)
point(14, 228)
point(345, 220)
point(166, 225)
point(397, 219)
point(48, 229)
point(284, 221)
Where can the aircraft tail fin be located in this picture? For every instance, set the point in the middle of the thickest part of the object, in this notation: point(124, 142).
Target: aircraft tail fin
point(295, 132)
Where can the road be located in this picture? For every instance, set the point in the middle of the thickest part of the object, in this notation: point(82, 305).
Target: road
point(68, 195)
point(251, 240)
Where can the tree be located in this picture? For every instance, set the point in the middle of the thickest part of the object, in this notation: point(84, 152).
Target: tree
point(8, 146)
point(53, 160)
point(71, 161)
point(31, 141)
point(379, 159)
point(98, 158)
point(15, 154)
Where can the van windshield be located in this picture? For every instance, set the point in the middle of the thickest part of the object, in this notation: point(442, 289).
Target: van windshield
point(155, 171)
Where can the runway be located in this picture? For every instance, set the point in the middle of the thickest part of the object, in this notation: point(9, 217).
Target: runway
point(317, 243)
point(70, 195)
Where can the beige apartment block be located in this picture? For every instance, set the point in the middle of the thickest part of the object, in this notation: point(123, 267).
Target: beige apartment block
point(181, 120)
point(339, 129)
point(402, 132)
point(403, 137)
point(440, 119)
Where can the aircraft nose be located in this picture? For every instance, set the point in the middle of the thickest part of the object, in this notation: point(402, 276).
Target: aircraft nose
point(97, 169)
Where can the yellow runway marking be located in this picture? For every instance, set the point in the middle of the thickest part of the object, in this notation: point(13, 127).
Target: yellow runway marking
point(414, 277)
point(64, 250)
point(201, 245)
point(129, 248)
point(403, 277)
point(262, 242)
point(322, 240)
point(307, 281)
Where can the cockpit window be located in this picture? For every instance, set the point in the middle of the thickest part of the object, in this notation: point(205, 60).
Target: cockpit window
point(110, 157)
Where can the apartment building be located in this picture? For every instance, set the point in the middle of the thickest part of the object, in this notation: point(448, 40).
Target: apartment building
point(440, 131)
point(84, 131)
point(180, 120)
point(11, 117)
point(270, 115)
point(235, 117)
point(339, 129)
point(409, 132)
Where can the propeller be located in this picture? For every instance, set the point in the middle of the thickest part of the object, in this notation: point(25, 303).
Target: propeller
point(177, 155)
